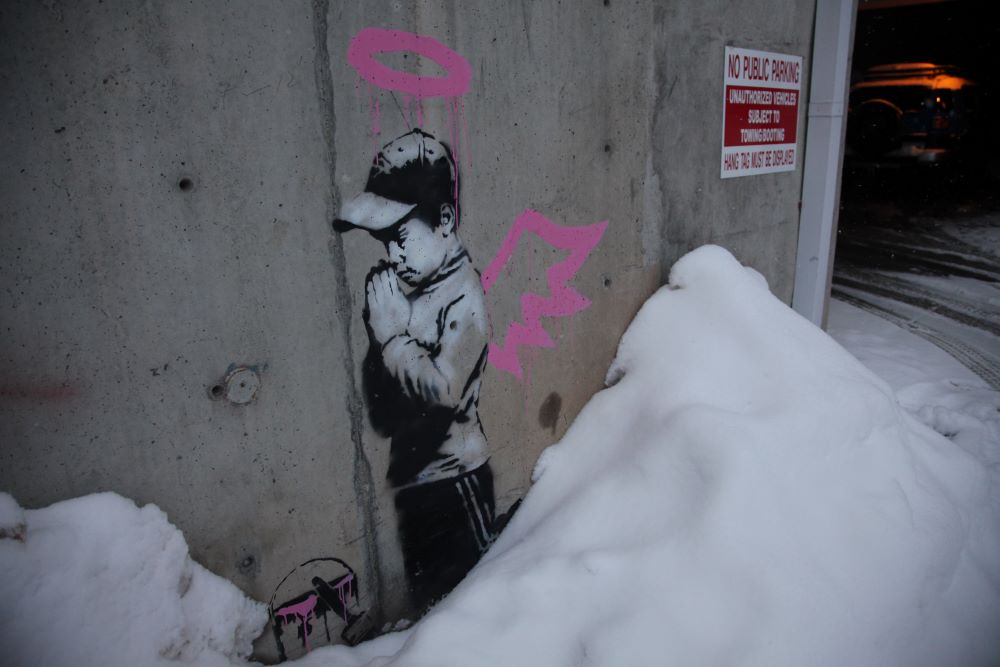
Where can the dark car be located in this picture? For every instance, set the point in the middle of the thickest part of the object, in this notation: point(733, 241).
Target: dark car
point(913, 112)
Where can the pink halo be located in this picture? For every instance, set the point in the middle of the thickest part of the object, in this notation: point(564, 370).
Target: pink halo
point(372, 41)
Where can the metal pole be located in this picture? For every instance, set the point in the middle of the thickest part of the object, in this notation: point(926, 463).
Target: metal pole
point(833, 40)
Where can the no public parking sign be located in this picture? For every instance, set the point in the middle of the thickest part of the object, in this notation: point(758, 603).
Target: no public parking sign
point(760, 112)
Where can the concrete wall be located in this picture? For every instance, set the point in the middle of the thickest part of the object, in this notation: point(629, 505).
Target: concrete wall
point(169, 174)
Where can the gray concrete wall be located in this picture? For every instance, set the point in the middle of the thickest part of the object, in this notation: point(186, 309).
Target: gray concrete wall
point(129, 292)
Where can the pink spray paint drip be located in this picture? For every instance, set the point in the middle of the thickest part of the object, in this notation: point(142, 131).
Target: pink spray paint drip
point(453, 120)
point(345, 596)
point(374, 107)
point(453, 135)
point(374, 118)
point(563, 300)
point(303, 610)
point(460, 103)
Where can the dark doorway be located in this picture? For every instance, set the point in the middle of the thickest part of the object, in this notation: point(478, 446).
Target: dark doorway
point(920, 197)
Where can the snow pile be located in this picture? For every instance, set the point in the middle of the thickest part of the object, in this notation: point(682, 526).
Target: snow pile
point(98, 581)
point(746, 493)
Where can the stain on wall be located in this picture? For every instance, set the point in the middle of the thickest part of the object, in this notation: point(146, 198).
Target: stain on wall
point(548, 412)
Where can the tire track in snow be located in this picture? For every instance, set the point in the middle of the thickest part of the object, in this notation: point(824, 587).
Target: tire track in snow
point(925, 247)
point(891, 256)
point(906, 292)
point(969, 357)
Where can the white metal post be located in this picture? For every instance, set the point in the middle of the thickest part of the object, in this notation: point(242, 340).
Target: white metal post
point(833, 41)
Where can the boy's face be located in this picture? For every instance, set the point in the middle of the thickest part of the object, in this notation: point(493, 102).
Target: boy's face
point(417, 250)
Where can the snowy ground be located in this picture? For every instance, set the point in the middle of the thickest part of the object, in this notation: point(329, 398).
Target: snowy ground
point(745, 492)
point(937, 277)
point(929, 382)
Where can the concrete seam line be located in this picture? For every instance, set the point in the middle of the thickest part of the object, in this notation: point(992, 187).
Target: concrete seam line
point(364, 484)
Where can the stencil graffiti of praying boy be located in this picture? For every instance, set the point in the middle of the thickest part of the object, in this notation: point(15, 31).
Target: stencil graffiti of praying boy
point(426, 321)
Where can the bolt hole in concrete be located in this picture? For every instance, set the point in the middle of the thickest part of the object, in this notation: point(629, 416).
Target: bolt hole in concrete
point(241, 385)
point(607, 282)
point(216, 391)
point(186, 185)
point(248, 566)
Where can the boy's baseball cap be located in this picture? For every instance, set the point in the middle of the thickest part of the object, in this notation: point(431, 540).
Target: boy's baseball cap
point(416, 168)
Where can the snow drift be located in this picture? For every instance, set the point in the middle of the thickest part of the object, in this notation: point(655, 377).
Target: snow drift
point(97, 581)
point(745, 493)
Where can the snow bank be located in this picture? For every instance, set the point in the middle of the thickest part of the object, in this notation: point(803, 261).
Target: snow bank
point(98, 581)
point(746, 493)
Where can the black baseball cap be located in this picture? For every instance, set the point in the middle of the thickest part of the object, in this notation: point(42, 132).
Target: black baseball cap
point(416, 168)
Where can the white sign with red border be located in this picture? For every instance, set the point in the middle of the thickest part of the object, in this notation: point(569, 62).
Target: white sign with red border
point(760, 112)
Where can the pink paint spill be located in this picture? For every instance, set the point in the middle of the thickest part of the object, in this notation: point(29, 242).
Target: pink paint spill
point(348, 583)
point(301, 611)
point(562, 301)
point(372, 41)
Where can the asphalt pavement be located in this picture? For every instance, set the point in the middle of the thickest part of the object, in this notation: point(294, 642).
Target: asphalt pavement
point(921, 248)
